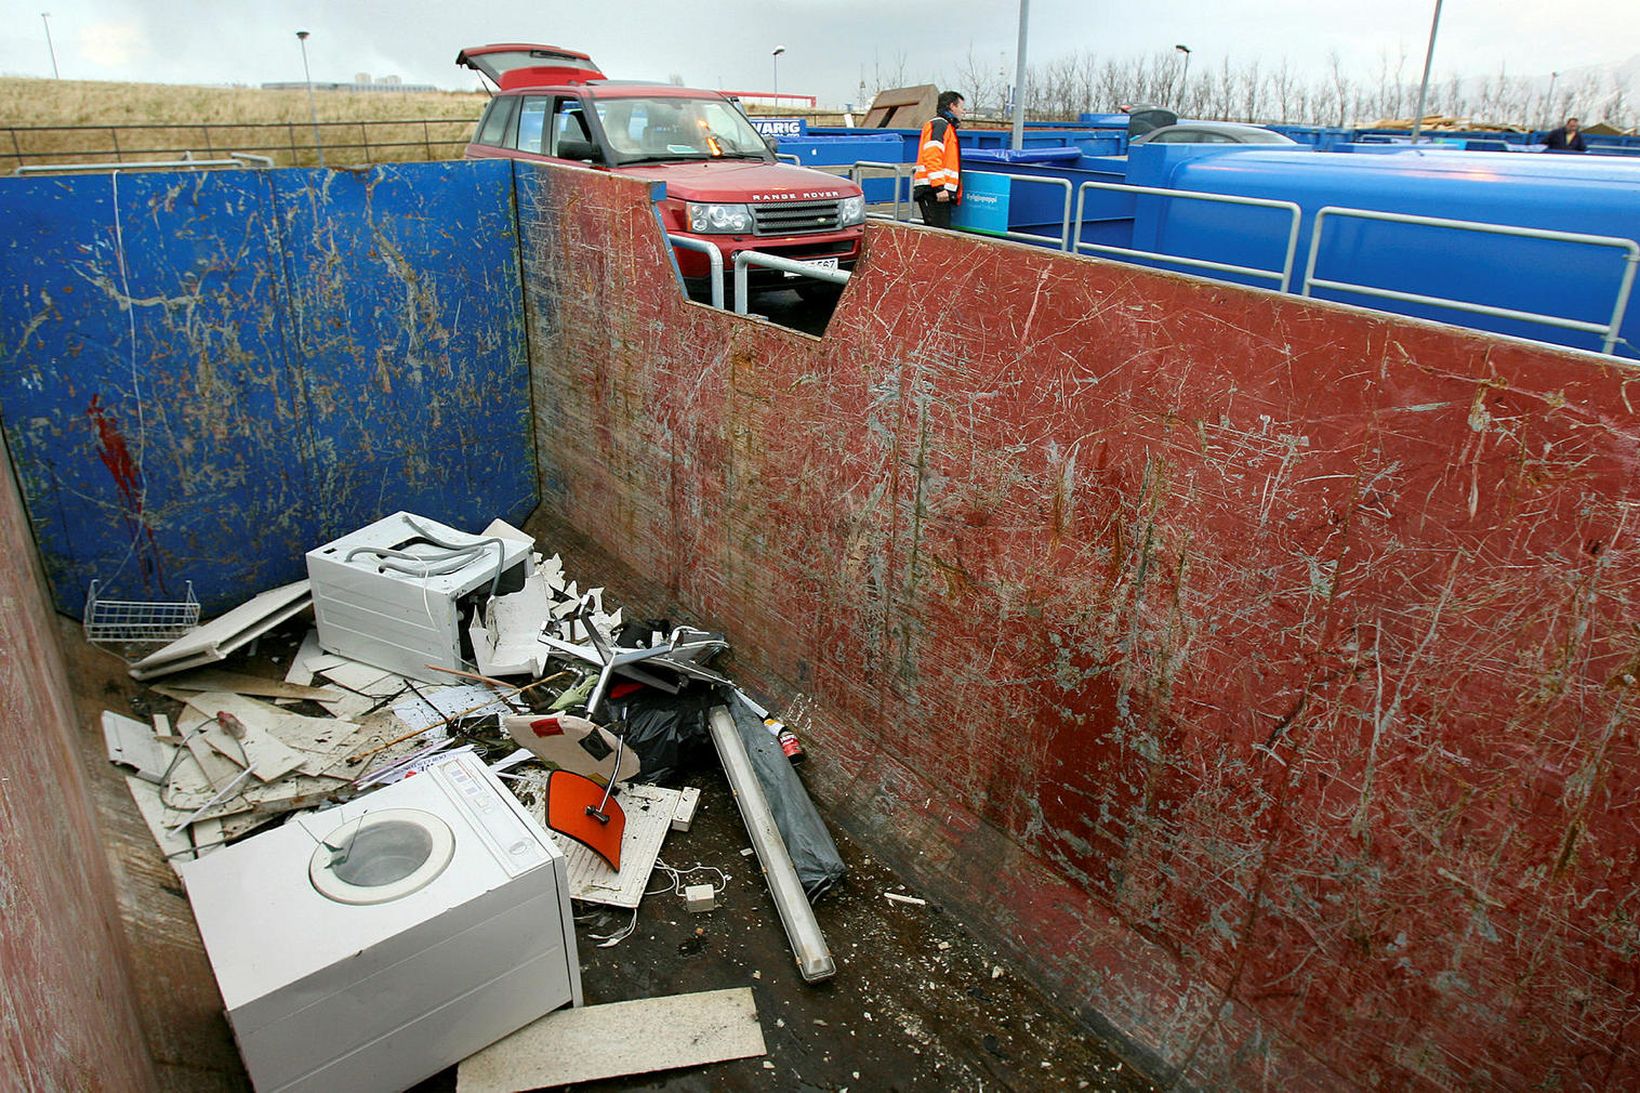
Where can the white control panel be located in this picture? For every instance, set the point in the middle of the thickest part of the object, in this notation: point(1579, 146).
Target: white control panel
point(518, 847)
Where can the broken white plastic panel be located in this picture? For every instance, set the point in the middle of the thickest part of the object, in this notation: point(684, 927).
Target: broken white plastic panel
point(388, 593)
point(814, 960)
point(506, 631)
point(223, 635)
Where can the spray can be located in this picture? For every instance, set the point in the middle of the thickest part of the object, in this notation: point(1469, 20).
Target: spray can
point(790, 746)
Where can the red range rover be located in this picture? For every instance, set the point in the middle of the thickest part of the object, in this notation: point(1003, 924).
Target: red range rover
point(723, 183)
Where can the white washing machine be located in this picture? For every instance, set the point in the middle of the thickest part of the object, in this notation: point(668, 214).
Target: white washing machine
point(374, 944)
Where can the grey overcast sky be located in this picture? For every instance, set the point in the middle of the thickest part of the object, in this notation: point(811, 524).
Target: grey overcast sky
point(830, 44)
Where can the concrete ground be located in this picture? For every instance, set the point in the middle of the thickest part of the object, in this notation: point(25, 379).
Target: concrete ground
point(918, 1003)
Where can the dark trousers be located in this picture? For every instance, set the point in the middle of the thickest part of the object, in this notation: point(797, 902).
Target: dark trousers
point(936, 214)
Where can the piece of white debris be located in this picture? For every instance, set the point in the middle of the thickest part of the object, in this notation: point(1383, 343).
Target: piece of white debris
point(779, 1022)
point(757, 975)
point(767, 1065)
point(747, 852)
point(944, 945)
point(996, 971)
point(913, 900)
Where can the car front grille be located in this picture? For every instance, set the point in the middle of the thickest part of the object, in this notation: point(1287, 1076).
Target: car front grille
point(795, 217)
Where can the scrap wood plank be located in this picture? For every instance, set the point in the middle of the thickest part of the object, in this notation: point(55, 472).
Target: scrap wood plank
point(217, 679)
point(174, 846)
point(616, 1040)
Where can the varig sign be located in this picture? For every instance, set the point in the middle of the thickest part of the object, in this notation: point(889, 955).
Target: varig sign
point(781, 128)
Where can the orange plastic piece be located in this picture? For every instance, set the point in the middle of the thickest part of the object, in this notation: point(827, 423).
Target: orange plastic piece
point(571, 801)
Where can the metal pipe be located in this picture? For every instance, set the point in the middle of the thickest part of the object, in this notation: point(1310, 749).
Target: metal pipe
point(814, 961)
point(1429, 61)
point(1609, 331)
point(46, 168)
point(1282, 278)
point(1019, 75)
point(785, 265)
point(714, 262)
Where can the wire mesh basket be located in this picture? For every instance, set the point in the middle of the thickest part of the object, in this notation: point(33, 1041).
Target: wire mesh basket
point(129, 621)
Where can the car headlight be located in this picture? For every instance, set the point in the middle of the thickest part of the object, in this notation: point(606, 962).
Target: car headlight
point(719, 219)
point(851, 211)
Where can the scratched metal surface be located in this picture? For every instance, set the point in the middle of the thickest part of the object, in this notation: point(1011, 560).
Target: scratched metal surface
point(304, 352)
point(68, 1017)
point(1264, 672)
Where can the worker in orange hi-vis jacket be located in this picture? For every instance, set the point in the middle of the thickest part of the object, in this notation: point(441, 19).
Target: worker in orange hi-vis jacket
point(936, 184)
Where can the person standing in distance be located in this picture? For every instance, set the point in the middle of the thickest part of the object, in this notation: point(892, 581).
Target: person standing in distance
point(936, 184)
point(1568, 138)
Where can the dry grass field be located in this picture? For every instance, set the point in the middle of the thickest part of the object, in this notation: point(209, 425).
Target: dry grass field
point(161, 121)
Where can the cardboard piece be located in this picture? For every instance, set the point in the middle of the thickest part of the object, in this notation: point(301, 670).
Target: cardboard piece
point(616, 1040)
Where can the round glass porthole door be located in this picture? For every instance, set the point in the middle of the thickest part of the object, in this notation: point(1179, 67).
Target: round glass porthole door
point(382, 856)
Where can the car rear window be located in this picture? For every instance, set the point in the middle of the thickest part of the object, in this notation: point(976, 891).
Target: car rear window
point(493, 129)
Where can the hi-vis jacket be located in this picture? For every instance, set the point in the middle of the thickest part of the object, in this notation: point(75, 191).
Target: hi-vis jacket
point(939, 161)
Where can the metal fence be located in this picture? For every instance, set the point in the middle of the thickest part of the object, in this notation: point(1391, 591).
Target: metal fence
point(289, 143)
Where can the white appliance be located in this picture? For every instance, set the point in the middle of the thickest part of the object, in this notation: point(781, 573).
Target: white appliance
point(388, 594)
point(374, 944)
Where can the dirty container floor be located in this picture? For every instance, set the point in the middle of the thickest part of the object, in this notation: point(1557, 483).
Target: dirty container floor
point(917, 1002)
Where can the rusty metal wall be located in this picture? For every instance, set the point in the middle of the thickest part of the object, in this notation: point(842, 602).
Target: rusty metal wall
point(205, 374)
point(1262, 672)
point(68, 1018)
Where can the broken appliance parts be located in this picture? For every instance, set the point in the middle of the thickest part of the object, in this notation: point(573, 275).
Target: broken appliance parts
point(393, 594)
point(581, 809)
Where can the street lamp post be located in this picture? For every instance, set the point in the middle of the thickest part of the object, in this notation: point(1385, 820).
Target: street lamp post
point(1184, 79)
point(1553, 76)
point(313, 107)
point(1429, 60)
point(1019, 74)
point(778, 50)
point(45, 17)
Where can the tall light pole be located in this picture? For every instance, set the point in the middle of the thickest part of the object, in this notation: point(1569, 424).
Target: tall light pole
point(778, 50)
point(1553, 76)
point(1429, 60)
point(1019, 75)
point(1184, 80)
point(313, 107)
point(45, 17)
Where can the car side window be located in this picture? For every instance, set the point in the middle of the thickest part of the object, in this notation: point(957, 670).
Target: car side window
point(493, 129)
point(569, 124)
point(532, 119)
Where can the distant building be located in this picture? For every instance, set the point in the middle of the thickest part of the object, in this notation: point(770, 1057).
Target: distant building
point(362, 82)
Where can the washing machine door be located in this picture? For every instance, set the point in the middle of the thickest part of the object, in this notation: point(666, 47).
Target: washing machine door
point(381, 856)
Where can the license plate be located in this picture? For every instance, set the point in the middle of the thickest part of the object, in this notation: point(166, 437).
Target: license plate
point(818, 263)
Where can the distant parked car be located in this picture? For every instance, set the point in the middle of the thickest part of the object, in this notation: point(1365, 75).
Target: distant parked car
point(1212, 132)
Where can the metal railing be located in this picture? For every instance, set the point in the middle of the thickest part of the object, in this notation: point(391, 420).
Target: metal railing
point(1283, 277)
point(1608, 330)
point(1065, 218)
point(901, 170)
point(235, 159)
point(746, 258)
point(433, 138)
point(714, 262)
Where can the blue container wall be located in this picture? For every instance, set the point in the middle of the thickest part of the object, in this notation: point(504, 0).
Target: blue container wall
point(283, 355)
point(1593, 195)
point(861, 146)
